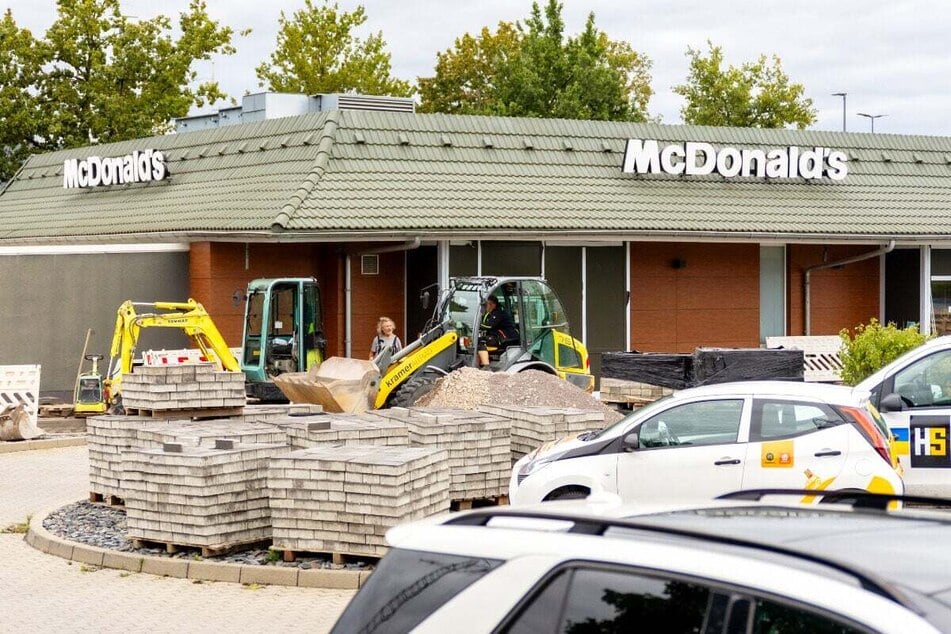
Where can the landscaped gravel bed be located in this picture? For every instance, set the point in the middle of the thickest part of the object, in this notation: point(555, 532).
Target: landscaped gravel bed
point(105, 527)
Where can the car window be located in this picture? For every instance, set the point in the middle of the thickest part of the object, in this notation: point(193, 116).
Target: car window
point(408, 586)
point(592, 600)
point(926, 382)
point(774, 419)
point(700, 423)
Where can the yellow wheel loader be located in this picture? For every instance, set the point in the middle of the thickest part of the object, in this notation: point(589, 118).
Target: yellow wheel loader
point(450, 342)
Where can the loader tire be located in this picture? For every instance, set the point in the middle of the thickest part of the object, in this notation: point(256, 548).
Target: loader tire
point(407, 394)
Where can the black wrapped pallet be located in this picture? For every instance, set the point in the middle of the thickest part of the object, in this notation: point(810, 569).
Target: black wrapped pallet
point(721, 365)
point(705, 366)
point(664, 370)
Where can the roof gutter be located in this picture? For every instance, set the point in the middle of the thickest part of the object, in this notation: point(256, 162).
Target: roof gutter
point(828, 265)
point(409, 245)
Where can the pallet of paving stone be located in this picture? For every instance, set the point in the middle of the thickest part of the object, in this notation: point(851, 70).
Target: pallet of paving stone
point(477, 503)
point(533, 426)
point(315, 430)
point(478, 443)
point(107, 499)
point(107, 437)
point(216, 550)
point(339, 558)
point(206, 433)
point(184, 387)
point(342, 499)
point(631, 393)
point(196, 413)
point(196, 496)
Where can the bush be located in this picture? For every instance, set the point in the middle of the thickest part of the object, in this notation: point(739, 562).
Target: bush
point(873, 347)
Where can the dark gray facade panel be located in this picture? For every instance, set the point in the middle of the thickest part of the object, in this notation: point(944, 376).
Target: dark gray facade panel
point(511, 258)
point(463, 260)
point(606, 298)
point(563, 272)
point(903, 286)
point(47, 303)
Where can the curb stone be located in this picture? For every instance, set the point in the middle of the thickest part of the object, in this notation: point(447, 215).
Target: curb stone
point(45, 541)
point(49, 443)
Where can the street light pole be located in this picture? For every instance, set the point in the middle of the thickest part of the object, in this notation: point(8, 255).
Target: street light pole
point(842, 94)
point(872, 118)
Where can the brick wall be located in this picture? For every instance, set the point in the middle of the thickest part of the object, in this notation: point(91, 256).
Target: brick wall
point(217, 271)
point(713, 300)
point(840, 298)
point(217, 275)
point(374, 296)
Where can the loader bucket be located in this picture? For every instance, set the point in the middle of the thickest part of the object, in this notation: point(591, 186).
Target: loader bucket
point(339, 384)
point(15, 424)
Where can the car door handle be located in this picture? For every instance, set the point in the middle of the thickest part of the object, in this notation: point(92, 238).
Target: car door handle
point(727, 461)
point(828, 452)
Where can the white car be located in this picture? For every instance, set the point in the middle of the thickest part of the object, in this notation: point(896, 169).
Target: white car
point(913, 393)
point(725, 567)
point(702, 442)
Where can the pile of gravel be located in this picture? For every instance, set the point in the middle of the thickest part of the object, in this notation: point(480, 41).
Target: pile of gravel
point(468, 388)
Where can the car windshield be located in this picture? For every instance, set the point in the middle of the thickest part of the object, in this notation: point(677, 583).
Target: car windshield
point(625, 422)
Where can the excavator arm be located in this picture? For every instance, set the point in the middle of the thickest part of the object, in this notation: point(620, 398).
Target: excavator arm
point(190, 317)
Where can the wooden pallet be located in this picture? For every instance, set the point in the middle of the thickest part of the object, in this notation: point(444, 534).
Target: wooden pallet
point(108, 500)
point(476, 503)
point(58, 410)
point(195, 413)
point(206, 551)
point(336, 557)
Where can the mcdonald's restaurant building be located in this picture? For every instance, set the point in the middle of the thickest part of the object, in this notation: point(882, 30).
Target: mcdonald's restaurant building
point(656, 237)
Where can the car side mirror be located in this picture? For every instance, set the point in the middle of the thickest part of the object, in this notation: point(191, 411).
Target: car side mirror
point(631, 442)
point(891, 403)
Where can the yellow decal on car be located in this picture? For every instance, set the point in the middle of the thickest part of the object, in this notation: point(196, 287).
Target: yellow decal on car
point(778, 454)
point(815, 483)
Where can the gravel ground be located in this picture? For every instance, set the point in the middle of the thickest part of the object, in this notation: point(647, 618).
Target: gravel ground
point(468, 388)
point(105, 527)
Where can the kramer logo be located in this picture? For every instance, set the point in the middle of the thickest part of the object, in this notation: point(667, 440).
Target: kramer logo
point(645, 156)
point(138, 167)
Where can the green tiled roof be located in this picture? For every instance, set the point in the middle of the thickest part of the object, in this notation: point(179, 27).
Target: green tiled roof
point(381, 174)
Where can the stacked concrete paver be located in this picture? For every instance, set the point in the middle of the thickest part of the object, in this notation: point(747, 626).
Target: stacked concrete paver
point(204, 433)
point(478, 445)
point(182, 387)
point(341, 429)
point(631, 392)
point(199, 496)
point(107, 438)
point(342, 499)
point(533, 426)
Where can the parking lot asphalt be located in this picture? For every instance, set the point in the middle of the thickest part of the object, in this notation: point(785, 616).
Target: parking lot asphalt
point(43, 593)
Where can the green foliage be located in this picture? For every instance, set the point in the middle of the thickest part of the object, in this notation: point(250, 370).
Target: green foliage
point(873, 347)
point(21, 61)
point(533, 70)
point(98, 75)
point(20, 528)
point(317, 52)
point(755, 95)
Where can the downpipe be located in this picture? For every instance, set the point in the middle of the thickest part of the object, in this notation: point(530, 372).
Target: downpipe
point(807, 304)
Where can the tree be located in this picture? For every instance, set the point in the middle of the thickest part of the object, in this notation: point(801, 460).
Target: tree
point(21, 61)
point(756, 95)
point(114, 78)
point(465, 79)
point(317, 52)
point(532, 70)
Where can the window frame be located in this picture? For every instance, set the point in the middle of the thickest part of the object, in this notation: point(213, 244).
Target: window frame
point(739, 428)
point(732, 591)
point(756, 417)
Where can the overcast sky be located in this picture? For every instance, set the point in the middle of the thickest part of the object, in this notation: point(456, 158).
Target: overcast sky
point(892, 58)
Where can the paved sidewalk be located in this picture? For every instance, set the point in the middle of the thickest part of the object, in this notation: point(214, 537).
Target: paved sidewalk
point(42, 593)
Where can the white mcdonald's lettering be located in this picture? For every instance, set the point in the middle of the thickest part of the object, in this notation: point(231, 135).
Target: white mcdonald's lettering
point(93, 171)
point(646, 156)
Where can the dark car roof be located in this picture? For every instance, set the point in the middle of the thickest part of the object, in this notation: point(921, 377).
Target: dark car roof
point(909, 550)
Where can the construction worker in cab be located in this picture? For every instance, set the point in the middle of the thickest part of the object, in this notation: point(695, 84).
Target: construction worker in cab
point(496, 331)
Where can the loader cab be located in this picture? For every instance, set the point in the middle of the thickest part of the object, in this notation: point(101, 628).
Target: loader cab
point(538, 314)
point(282, 330)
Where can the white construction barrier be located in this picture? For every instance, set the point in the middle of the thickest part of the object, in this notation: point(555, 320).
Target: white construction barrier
point(821, 360)
point(20, 384)
point(179, 357)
